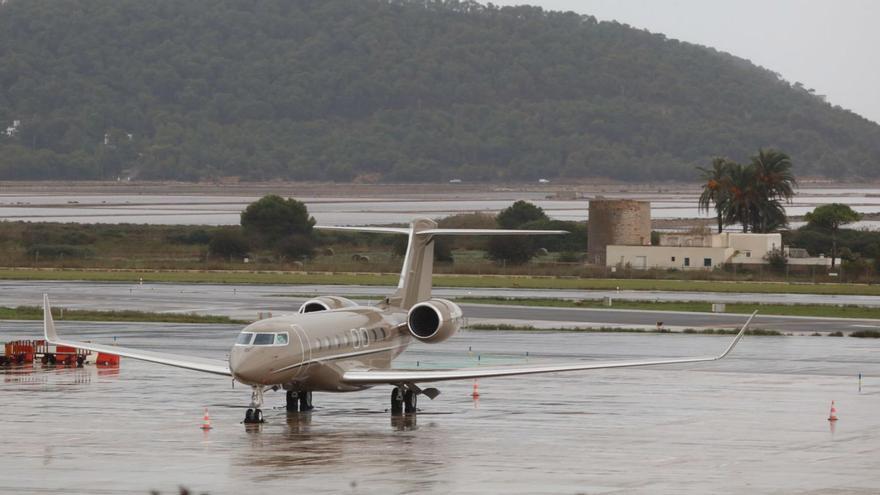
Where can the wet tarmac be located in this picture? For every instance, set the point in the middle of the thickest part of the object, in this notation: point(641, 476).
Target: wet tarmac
point(246, 302)
point(754, 423)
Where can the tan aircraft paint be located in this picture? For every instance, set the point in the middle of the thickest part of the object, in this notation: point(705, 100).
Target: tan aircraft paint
point(321, 347)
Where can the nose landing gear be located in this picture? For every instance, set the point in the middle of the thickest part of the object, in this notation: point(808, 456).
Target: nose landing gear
point(254, 414)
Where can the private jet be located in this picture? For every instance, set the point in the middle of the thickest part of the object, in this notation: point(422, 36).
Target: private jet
point(333, 344)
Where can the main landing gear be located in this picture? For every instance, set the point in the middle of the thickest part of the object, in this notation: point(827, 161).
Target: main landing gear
point(254, 414)
point(404, 400)
point(299, 401)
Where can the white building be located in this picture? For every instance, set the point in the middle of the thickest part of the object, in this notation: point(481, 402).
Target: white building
point(703, 252)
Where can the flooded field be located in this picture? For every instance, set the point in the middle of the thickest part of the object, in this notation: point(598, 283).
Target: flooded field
point(754, 423)
point(225, 209)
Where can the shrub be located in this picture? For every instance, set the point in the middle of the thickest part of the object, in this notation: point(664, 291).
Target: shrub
point(56, 251)
point(569, 257)
point(198, 236)
point(296, 247)
point(228, 243)
point(866, 334)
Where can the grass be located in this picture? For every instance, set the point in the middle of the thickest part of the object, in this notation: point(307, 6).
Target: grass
point(440, 280)
point(820, 310)
point(699, 331)
point(36, 313)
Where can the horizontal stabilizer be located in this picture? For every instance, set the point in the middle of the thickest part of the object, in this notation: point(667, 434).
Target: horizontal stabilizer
point(414, 284)
point(373, 230)
point(407, 231)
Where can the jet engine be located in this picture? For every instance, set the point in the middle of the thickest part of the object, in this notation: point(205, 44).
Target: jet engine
point(434, 320)
point(326, 303)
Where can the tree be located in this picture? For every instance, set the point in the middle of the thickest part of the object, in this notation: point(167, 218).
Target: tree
point(774, 183)
point(750, 195)
point(228, 243)
point(829, 218)
point(520, 249)
point(272, 218)
point(715, 188)
point(519, 213)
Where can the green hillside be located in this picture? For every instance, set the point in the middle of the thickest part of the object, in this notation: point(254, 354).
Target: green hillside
point(387, 90)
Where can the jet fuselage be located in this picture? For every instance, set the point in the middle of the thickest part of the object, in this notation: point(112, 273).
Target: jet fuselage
point(311, 351)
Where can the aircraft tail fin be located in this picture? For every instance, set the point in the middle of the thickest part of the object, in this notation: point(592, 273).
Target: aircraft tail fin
point(414, 285)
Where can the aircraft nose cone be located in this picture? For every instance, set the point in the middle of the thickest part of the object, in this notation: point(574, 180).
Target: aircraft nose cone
point(243, 366)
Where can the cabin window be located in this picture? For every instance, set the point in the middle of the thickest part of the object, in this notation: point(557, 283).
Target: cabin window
point(336, 342)
point(365, 340)
point(281, 339)
point(355, 340)
point(264, 339)
point(374, 334)
point(382, 331)
point(244, 338)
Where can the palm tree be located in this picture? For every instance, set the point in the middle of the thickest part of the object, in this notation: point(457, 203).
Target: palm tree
point(750, 195)
point(742, 196)
point(774, 183)
point(768, 215)
point(774, 176)
point(715, 190)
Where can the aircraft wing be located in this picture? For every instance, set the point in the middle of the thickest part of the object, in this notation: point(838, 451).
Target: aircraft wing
point(214, 366)
point(397, 376)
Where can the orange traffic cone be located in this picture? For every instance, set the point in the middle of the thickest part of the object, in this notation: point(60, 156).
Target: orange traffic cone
point(832, 416)
point(206, 423)
point(476, 393)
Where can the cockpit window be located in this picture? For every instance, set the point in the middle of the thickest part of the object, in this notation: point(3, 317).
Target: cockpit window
point(250, 338)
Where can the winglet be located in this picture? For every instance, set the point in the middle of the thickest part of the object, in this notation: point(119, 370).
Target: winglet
point(738, 337)
point(48, 323)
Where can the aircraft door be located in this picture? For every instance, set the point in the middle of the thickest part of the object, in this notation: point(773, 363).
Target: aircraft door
point(305, 346)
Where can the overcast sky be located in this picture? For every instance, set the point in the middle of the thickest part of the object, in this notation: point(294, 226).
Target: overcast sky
point(832, 46)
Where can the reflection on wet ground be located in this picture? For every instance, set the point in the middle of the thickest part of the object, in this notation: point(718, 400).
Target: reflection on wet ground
point(753, 423)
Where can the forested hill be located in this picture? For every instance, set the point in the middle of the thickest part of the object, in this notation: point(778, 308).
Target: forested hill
point(387, 90)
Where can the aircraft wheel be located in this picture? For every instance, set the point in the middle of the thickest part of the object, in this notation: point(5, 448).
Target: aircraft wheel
point(396, 401)
point(79, 361)
point(305, 401)
point(410, 401)
point(292, 404)
point(249, 416)
point(258, 416)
